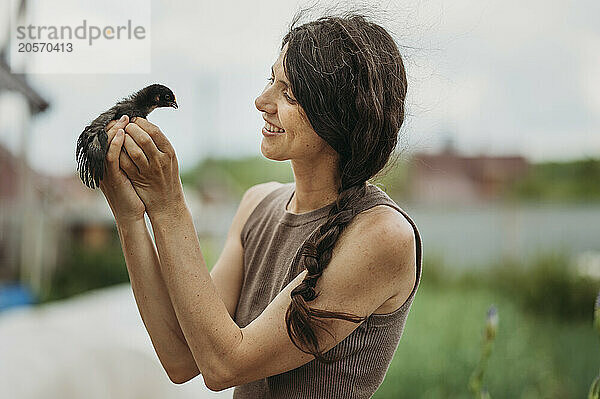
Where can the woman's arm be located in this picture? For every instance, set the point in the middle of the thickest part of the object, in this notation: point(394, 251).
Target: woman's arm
point(207, 322)
point(151, 293)
point(373, 261)
point(154, 303)
point(142, 262)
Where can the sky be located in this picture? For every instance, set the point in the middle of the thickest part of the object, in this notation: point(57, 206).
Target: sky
point(497, 77)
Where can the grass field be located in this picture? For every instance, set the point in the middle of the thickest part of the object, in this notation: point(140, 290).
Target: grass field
point(533, 357)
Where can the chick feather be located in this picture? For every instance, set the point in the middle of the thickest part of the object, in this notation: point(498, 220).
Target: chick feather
point(92, 142)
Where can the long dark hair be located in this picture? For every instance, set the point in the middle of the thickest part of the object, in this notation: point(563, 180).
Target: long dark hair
point(348, 76)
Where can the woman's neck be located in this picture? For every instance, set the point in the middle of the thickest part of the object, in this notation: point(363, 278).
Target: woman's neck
point(317, 183)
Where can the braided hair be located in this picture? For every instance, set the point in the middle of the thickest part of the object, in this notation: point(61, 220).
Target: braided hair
point(348, 76)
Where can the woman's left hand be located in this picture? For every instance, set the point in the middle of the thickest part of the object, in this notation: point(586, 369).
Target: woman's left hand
point(153, 169)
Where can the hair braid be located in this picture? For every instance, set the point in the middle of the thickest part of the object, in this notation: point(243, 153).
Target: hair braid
point(316, 255)
point(348, 76)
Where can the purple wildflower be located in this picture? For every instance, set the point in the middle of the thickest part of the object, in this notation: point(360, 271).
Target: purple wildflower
point(491, 324)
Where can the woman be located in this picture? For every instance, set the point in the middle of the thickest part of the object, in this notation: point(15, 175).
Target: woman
point(329, 261)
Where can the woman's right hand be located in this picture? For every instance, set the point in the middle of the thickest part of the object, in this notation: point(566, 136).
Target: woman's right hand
point(124, 202)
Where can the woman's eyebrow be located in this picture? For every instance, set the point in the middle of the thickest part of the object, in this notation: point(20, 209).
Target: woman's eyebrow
point(282, 81)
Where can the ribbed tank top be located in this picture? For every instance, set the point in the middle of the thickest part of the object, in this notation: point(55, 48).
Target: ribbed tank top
point(271, 239)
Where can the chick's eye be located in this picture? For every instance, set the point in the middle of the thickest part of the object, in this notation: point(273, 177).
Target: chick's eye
point(168, 97)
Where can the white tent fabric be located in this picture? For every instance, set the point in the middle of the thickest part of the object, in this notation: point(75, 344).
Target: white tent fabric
point(91, 346)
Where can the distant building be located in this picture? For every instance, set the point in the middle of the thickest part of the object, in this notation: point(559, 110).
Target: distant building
point(448, 177)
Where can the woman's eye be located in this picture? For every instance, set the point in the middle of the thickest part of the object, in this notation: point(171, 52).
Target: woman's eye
point(287, 97)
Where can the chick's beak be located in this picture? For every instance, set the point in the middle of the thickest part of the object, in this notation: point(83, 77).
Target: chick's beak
point(173, 104)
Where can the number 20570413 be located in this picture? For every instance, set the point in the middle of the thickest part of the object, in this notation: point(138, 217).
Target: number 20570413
point(42, 47)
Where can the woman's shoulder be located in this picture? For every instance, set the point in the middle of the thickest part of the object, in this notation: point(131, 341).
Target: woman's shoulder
point(379, 211)
point(386, 234)
point(252, 198)
point(382, 220)
point(255, 194)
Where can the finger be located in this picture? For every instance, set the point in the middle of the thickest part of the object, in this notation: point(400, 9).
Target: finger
point(109, 125)
point(128, 165)
point(142, 139)
point(112, 156)
point(112, 132)
point(161, 141)
point(116, 125)
point(135, 153)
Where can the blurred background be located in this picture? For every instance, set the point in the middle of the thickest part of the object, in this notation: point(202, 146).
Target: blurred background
point(498, 164)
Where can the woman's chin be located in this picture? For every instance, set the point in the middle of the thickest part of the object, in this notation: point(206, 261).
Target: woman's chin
point(271, 153)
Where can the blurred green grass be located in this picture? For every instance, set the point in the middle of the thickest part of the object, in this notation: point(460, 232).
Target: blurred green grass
point(533, 356)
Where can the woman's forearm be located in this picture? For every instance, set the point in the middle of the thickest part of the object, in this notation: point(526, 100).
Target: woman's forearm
point(153, 301)
point(209, 329)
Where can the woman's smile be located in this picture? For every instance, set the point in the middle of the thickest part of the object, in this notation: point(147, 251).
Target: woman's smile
point(270, 130)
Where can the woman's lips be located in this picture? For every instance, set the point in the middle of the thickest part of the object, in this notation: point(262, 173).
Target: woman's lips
point(267, 133)
point(271, 130)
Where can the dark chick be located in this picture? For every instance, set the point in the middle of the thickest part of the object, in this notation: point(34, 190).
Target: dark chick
point(92, 143)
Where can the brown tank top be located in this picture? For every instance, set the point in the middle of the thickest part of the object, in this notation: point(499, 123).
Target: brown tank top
point(271, 239)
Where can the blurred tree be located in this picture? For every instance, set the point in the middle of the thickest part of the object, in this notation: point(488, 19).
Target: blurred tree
point(573, 181)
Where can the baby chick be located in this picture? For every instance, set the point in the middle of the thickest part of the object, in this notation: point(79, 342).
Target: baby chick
point(92, 143)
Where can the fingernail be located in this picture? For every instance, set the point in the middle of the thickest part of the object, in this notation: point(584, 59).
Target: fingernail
point(120, 132)
point(133, 119)
point(123, 118)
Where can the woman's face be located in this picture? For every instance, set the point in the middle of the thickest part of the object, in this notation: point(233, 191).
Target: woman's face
point(282, 112)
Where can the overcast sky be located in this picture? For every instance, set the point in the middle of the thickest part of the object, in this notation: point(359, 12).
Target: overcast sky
point(498, 77)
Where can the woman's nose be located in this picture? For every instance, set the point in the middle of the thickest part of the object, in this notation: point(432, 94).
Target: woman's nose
point(264, 103)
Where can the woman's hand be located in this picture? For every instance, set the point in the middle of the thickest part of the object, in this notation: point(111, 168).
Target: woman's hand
point(124, 202)
point(152, 168)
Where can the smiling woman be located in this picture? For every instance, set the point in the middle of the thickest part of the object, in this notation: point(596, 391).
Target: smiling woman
point(311, 293)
